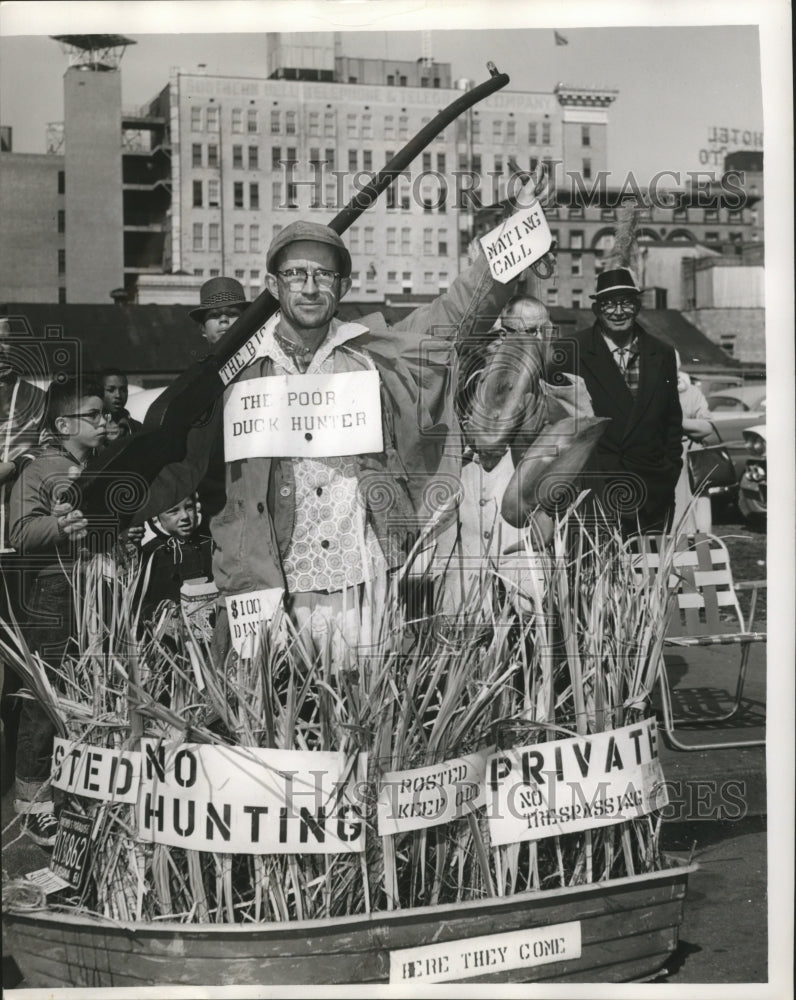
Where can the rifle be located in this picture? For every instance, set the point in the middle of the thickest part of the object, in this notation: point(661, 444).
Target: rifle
point(114, 484)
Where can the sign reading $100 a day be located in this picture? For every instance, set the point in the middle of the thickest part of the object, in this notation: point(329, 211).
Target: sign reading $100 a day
point(516, 243)
point(243, 800)
point(303, 416)
point(575, 784)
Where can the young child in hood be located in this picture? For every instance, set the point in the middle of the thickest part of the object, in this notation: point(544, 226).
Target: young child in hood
point(178, 552)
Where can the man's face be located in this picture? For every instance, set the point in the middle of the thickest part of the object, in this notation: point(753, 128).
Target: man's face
point(86, 426)
point(530, 318)
point(180, 520)
point(218, 321)
point(309, 304)
point(115, 387)
point(617, 313)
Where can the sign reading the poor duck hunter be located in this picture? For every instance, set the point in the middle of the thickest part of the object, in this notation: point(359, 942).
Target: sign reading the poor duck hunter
point(479, 956)
point(575, 784)
point(303, 416)
point(516, 243)
point(428, 796)
point(243, 800)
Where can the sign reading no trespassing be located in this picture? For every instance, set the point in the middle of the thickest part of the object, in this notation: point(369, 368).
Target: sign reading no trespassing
point(576, 784)
point(428, 796)
point(516, 243)
point(243, 800)
point(303, 416)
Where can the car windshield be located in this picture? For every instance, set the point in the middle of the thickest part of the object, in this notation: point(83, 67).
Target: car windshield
point(727, 403)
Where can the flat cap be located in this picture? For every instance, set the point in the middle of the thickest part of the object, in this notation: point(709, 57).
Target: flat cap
point(312, 232)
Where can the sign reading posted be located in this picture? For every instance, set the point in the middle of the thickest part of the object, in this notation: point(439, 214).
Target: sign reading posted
point(428, 796)
point(575, 784)
point(479, 956)
point(303, 416)
point(516, 243)
point(96, 772)
point(243, 800)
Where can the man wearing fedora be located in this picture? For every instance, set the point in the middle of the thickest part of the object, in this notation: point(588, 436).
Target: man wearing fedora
point(631, 377)
point(315, 530)
point(221, 301)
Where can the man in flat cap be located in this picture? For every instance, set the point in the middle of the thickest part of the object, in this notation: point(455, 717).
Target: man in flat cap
point(334, 433)
point(631, 377)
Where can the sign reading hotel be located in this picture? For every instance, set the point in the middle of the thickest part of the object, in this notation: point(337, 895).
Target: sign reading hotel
point(303, 416)
point(427, 796)
point(515, 244)
point(575, 784)
point(243, 800)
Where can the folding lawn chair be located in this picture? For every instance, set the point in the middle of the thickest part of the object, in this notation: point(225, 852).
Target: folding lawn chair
point(707, 614)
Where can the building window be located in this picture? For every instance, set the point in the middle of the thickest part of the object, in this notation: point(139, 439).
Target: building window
point(585, 135)
point(330, 194)
point(214, 272)
point(711, 215)
point(254, 195)
point(406, 240)
point(575, 211)
point(577, 265)
point(240, 274)
point(392, 276)
point(406, 281)
point(198, 272)
point(290, 122)
point(352, 159)
point(428, 277)
point(196, 154)
point(369, 233)
point(426, 163)
point(511, 130)
point(254, 239)
point(576, 239)
point(497, 131)
point(237, 119)
point(367, 159)
point(238, 244)
point(428, 241)
point(442, 244)
point(62, 261)
point(476, 130)
point(212, 155)
point(61, 182)
point(367, 126)
point(276, 157)
point(252, 125)
point(552, 296)
point(292, 195)
point(444, 281)
point(353, 239)
point(391, 196)
point(315, 155)
point(237, 157)
point(61, 296)
point(532, 133)
point(498, 168)
point(405, 197)
point(197, 194)
point(328, 123)
point(392, 238)
point(403, 126)
point(254, 157)
point(608, 214)
point(577, 298)
point(212, 119)
point(545, 133)
point(276, 122)
point(735, 215)
point(586, 168)
point(712, 237)
point(371, 274)
point(440, 163)
point(213, 236)
point(329, 156)
point(680, 215)
point(198, 236)
point(389, 127)
point(351, 126)
point(196, 119)
point(61, 220)
point(237, 194)
point(277, 228)
point(355, 280)
point(254, 283)
point(314, 123)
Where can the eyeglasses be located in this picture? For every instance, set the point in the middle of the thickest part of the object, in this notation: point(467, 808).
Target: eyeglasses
point(539, 330)
point(618, 305)
point(95, 417)
point(296, 277)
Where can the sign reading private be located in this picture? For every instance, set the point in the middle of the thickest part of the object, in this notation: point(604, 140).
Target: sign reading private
point(515, 244)
point(575, 784)
point(243, 800)
point(480, 956)
point(247, 613)
point(96, 772)
point(303, 416)
point(427, 796)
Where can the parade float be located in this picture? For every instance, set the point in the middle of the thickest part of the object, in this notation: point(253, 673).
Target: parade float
point(472, 793)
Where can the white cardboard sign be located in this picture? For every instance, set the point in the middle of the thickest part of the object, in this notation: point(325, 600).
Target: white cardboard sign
point(96, 772)
point(303, 416)
point(246, 613)
point(516, 243)
point(244, 800)
point(428, 796)
point(479, 956)
point(563, 786)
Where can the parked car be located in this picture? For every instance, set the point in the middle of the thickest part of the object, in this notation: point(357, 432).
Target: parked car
point(139, 401)
point(732, 411)
point(753, 487)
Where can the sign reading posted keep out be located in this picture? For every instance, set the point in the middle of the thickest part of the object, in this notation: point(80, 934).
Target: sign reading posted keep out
point(303, 416)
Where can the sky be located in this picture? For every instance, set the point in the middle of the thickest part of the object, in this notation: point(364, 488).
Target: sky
point(675, 83)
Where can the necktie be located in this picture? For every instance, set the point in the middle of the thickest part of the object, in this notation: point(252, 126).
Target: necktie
point(622, 358)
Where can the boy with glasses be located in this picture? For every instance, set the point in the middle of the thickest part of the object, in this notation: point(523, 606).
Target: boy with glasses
point(631, 377)
point(45, 529)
